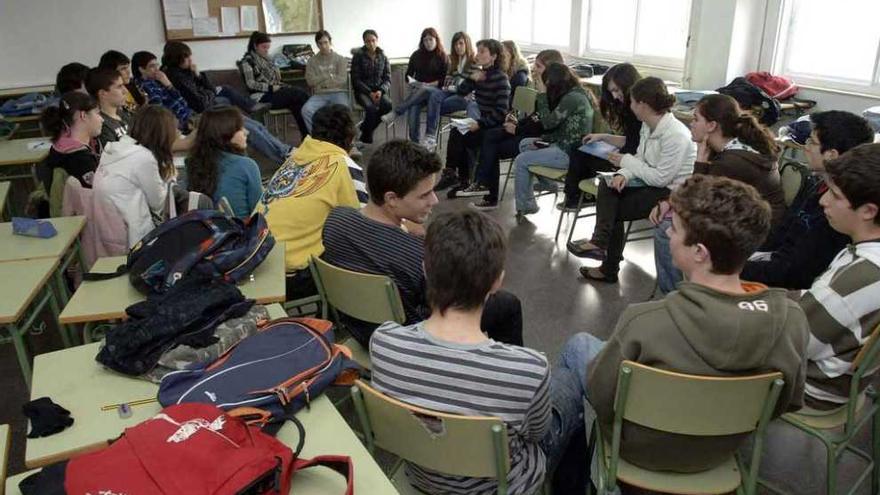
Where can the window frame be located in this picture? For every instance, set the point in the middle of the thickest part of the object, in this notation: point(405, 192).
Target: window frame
point(775, 50)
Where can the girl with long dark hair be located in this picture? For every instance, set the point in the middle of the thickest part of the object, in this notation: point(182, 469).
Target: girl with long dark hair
point(446, 100)
point(72, 126)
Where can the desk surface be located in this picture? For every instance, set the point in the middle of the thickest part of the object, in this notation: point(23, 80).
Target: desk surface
point(10, 92)
point(16, 152)
point(19, 247)
point(23, 280)
point(107, 299)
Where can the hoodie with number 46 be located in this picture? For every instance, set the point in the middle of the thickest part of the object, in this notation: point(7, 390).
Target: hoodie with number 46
point(701, 331)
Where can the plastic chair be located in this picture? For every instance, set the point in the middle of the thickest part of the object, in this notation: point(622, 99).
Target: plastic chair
point(523, 104)
point(4, 454)
point(431, 439)
point(591, 187)
point(367, 297)
point(689, 405)
point(793, 176)
point(825, 425)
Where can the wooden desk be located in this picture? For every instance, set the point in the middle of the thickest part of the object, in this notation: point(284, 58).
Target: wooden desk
point(16, 152)
point(15, 92)
point(19, 247)
point(107, 299)
point(24, 281)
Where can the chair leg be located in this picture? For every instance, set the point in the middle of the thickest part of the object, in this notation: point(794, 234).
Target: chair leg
point(830, 468)
point(577, 215)
point(559, 224)
point(875, 442)
point(506, 180)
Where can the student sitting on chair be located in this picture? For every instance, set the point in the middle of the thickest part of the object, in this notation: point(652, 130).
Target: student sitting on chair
point(732, 144)
point(445, 99)
point(517, 67)
point(371, 80)
point(71, 77)
point(155, 84)
point(263, 80)
point(118, 61)
point(327, 75)
point(803, 244)
point(714, 325)
point(73, 126)
point(135, 171)
point(426, 69)
point(317, 177)
point(217, 164)
point(447, 364)
point(664, 158)
point(386, 237)
point(107, 87)
point(843, 304)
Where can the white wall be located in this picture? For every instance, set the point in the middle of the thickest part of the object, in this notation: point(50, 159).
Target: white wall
point(39, 36)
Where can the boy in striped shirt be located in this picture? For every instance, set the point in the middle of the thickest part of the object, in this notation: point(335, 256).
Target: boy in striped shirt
point(843, 304)
point(447, 364)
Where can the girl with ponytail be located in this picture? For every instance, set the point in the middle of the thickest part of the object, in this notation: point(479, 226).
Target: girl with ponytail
point(730, 143)
point(73, 126)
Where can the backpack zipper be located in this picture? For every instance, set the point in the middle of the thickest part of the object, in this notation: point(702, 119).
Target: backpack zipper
point(263, 236)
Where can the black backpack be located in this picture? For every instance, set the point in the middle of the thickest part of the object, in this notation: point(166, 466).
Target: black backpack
point(207, 243)
point(749, 96)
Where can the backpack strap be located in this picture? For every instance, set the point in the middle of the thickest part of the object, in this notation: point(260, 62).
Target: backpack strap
point(340, 463)
point(93, 276)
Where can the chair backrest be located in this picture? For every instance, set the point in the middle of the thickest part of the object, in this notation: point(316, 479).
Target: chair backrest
point(367, 297)
point(524, 100)
point(694, 405)
point(56, 194)
point(431, 439)
point(793, 175)
point(4, 454)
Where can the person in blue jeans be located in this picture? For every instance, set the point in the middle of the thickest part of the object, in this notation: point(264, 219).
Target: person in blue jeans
point(217, 164)
point(327, 75)
point(446, 100)
point(426, 71)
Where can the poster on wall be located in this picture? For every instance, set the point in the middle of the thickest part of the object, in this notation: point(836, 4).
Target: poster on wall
point(293, 16)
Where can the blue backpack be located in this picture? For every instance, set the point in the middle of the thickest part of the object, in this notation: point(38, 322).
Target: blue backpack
point(272, 374)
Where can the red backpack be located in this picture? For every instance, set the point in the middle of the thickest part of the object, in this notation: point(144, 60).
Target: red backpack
point(778, 87)
point(195, 449)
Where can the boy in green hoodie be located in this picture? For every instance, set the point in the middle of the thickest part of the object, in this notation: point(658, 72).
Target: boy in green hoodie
point(714, 325)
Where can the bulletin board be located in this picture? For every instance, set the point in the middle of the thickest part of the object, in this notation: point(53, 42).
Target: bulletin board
point(194, 20)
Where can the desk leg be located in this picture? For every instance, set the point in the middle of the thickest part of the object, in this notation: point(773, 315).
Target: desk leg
point(87, 332)
point(64, 330)
point(16, 333)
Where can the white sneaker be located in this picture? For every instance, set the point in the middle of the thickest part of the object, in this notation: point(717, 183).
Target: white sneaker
point(388, 118)
point(430, 143)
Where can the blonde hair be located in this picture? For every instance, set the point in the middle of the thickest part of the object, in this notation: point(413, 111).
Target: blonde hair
point(516, 62)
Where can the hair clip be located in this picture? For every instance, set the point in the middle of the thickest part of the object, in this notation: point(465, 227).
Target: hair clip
point(65, 105)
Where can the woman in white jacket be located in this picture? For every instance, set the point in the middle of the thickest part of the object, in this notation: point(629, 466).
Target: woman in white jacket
point(134, 172)
point(663, 160)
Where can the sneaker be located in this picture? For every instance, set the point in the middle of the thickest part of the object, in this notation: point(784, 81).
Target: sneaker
point(429, 143)
point(447, 179)
point(484, 205)
point(456, 190)
point(388, 118)
point(474, 189)
point(566, 208)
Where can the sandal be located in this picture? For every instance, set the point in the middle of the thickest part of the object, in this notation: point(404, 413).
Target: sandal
point(586, 249)
point(597, 274)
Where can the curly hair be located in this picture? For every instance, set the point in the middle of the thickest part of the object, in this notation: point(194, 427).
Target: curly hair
point(216, 129)
point(735, 123)
point(333, 124)
point(727, 216)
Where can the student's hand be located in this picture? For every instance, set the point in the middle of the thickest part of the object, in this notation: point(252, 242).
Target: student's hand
point(375, 96)
point(478, 75)
point(539, 85)
point(615, 157)
point(703, 150)
point(659, 212)
point(474, 127)
point(618, 183)
point(413, 228)
point(193, 68)
point(592, 138)
point(510, 117)
point(510, 127)
point(163, 79)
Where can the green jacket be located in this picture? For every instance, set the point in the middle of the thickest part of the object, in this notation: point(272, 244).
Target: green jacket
point(566, 124)
point(700, 331)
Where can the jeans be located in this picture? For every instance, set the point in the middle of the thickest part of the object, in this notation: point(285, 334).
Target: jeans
point(412, 107)
point(568, 387)
point(291, 99)
point(442, 102)
point(233, 97)
point(668, 276)
point(265, 142)
point(497, 145)
point(612, 209)
point(316, 102)
point(551, 156)
point(372, 114)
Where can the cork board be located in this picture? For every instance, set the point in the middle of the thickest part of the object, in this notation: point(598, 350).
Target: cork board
point(184, 20)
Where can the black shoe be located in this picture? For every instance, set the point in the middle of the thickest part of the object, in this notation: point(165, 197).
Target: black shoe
point(566, 207)
point(447, 179)
point(484, 205)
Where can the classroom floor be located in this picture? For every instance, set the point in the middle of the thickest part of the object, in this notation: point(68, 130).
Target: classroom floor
point(557, 303)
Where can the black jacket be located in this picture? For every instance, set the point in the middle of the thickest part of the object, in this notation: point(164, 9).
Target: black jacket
point(803, 245)
point(370, 74)
point(426, 66)
point(195, 89)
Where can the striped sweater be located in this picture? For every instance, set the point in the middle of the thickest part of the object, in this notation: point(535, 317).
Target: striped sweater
point(492, 95)
point(487, 379)
point(843, 308)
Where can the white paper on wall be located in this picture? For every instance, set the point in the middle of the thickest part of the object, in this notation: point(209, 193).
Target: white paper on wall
point(177, 15)
point(249, 18)
point(205, 26)
point(229, 20)
point(199, 8)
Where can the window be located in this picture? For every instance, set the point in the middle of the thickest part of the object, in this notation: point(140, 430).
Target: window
point(830, 44)
point(536, 22)
point(649, 31)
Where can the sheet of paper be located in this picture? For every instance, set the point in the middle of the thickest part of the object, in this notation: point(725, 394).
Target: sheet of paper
point(229, 20)
point(199, 8)
point(177, 15)
point(205, 26)
point(250, 20)
point(39, 145)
